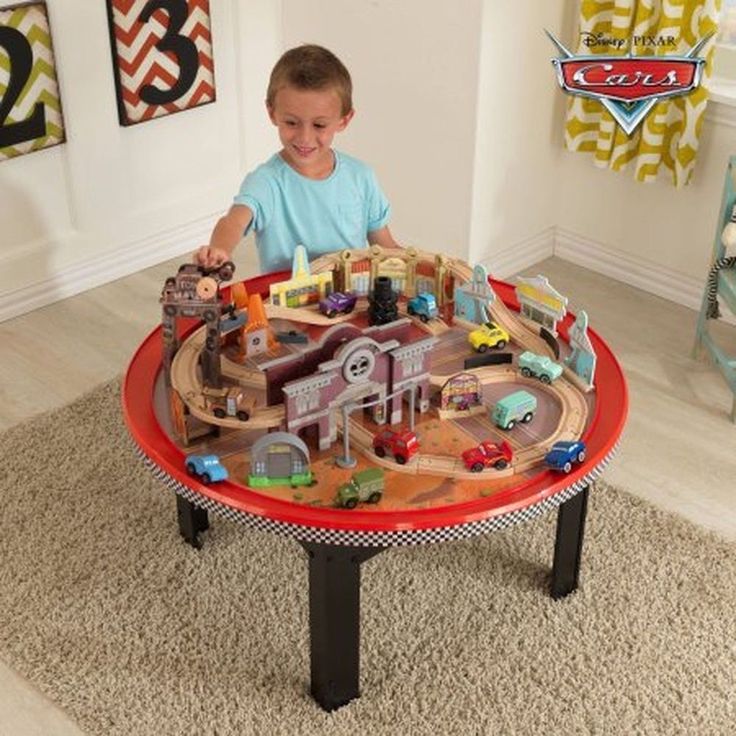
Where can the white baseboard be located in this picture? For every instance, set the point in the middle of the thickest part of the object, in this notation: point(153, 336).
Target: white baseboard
point(521, 255)
point(568, 246)
point(639, 272)
point(107, 267)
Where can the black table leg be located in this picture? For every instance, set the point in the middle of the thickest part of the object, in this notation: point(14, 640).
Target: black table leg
point(569, 544)
point(334, 621)
point(192, 520)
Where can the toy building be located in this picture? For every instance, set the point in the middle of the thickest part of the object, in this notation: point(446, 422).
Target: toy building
point(461, 392)
point(472, 299)
point(279, 458)
point(303, 288)
point(353, 366)
point(540, 302)
point(583, 358)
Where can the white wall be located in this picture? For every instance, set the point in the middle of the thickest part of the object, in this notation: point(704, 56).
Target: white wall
point(516, 180)
point(414, 65)
point(111, 199)
point(652, 235)
point(457, 110)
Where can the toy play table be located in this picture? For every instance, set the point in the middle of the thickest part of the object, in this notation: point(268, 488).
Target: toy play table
point(338, 541)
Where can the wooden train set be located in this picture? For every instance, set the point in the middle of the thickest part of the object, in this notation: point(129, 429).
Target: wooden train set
point(332, 382)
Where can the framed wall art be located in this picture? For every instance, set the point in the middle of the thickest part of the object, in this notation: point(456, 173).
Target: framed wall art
point(30, 104)
point(162, 56)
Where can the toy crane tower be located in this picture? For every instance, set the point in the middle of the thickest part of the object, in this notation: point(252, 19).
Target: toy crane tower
point(194, 292)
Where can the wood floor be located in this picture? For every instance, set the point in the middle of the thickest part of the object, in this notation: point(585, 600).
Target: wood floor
point(677, 452)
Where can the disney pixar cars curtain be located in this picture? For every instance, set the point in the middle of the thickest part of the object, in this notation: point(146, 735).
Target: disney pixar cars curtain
point(668, 135)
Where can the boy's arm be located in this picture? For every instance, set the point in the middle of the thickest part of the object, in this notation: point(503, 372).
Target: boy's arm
point(383, 237)
point(226, 235)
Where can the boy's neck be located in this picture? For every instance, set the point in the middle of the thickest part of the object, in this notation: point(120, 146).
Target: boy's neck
point(318, 170)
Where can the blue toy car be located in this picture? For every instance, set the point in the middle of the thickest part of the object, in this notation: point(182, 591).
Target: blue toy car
point(207, 468)
point(564, 453)
point(423, 306)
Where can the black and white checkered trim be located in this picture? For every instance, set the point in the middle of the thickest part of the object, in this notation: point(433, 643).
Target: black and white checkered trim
point(379, 538)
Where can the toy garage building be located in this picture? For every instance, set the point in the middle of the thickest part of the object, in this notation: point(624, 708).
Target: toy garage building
point(375, 367)
point(279, 458)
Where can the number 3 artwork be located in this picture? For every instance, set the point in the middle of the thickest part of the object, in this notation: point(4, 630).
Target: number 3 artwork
point(30, 105)
point(162, 54)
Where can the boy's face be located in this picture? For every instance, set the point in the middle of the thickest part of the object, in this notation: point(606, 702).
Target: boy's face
point(307, 121)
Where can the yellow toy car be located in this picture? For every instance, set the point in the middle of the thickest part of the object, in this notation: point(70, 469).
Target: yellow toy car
point(488, 335)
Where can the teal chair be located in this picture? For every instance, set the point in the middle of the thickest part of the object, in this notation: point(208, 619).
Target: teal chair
point(721, 283)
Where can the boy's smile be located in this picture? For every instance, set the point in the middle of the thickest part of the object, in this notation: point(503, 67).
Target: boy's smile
point(307, 121)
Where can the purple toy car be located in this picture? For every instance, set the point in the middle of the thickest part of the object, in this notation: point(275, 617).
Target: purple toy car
point(339, 302)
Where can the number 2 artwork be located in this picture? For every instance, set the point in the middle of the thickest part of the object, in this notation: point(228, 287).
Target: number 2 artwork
point(30, 104)
point(162, 54)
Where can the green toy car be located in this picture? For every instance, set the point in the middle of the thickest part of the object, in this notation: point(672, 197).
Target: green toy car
point(366, 485)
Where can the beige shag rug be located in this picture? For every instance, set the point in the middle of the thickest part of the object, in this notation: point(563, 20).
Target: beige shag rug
point(133, 632)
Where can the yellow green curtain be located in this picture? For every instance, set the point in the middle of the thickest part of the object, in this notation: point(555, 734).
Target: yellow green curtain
point(669, 134)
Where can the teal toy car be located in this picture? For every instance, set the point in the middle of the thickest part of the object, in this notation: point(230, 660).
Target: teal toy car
point(206, 468)
point(540, 366)
point(519, 406)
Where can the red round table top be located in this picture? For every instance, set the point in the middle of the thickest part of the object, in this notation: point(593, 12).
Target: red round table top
point(543, 491)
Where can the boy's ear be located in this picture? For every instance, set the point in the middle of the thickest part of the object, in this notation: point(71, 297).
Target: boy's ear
point(270, 111)
point(345, 120)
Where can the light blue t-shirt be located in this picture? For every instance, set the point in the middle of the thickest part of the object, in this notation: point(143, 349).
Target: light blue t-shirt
point(324, 215)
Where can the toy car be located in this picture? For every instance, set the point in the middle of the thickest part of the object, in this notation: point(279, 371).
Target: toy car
point(488, 454)
point(366, 485)
point(519, 406)
point(339, 302)
point(423, 306)
point(402, 445)
point(564, 453)
point(207, 468)
point(230, 401)
point(540, 366)
point(488, 335)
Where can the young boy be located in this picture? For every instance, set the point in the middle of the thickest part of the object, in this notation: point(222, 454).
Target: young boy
point(307, 193)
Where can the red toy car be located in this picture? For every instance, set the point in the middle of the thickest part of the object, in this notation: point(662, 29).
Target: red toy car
point(487, 454)
point(402, 445)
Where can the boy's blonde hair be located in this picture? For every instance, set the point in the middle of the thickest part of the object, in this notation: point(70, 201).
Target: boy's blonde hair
point(311, 67)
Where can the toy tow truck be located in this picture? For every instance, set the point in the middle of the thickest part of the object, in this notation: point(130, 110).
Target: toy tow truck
point(488, 454)
point(231, 401)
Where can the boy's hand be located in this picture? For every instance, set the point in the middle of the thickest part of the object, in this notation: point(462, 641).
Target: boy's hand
point(210, 257)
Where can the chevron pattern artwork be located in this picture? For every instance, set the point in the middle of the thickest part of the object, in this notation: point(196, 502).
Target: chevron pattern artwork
point(30, 105)
point(162, 52)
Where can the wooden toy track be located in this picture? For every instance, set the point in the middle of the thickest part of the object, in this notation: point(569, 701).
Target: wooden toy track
point(574, 410)
point(567, 392)
point(520, 333)
point(186, 382)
